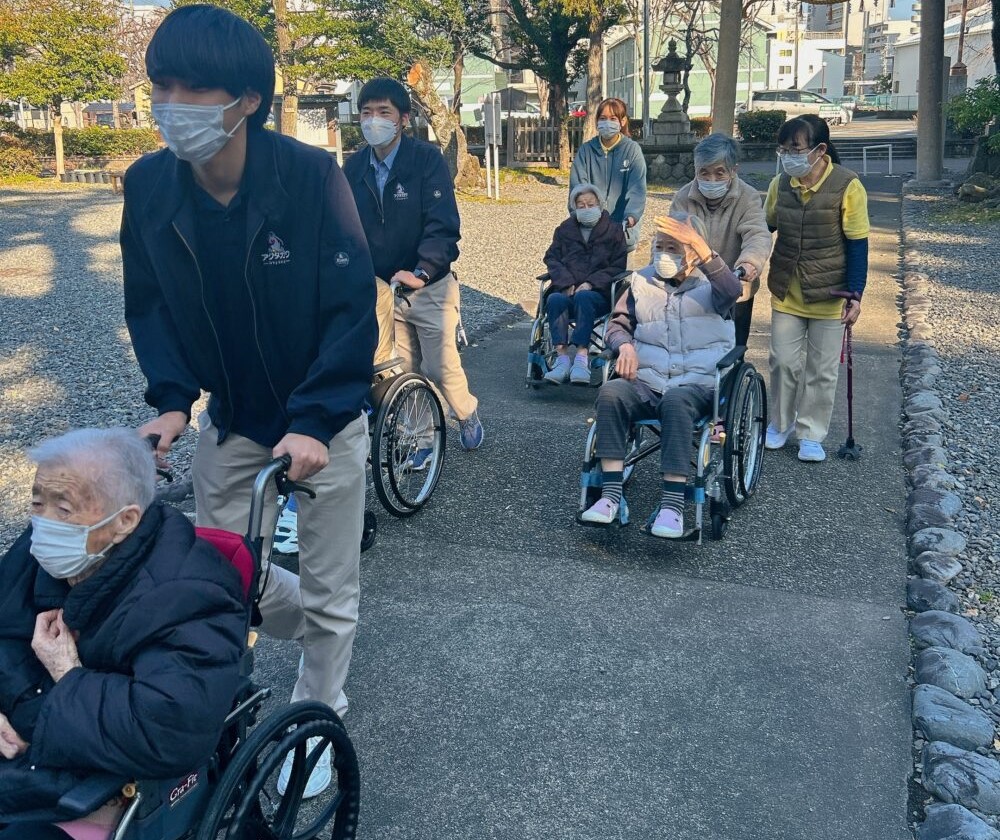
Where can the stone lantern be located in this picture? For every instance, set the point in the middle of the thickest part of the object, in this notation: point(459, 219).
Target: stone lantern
point(671, 127)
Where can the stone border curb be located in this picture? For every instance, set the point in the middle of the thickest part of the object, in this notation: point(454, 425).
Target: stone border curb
point(951, 731)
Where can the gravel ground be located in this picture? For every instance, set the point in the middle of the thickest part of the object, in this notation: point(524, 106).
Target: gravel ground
point(958, 258)
point(65, 356)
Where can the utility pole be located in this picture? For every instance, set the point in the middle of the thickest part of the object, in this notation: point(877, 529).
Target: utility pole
point(930, 93)
point(645, 70)
point(795, 50)
point(728, 67)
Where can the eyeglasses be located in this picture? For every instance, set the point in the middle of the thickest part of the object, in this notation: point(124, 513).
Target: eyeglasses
point(780, 150)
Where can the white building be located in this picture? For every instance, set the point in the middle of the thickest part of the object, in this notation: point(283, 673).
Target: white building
point(977, 55)
point(820, 65)
point(880, 46)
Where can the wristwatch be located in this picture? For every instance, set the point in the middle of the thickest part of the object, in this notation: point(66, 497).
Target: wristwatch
point(421, 274)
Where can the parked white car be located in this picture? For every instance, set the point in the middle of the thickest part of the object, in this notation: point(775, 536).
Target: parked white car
point(795, 103)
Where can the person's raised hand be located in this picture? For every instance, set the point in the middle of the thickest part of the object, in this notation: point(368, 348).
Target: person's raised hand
point(627, 364)
point(54, 644)
point(851, 313)
point(11, 744)
point(308, 455)
point(584, 287)
point(168, 426)
point(695, 248)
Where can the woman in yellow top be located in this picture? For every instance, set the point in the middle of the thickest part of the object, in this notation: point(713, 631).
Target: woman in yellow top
point(820, 211)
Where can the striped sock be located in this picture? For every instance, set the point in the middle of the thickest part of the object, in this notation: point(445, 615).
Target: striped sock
point(611, 488)
point(672, 497)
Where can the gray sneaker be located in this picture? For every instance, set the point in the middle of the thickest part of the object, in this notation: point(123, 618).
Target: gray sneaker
point(560, 371)
point(580, 373)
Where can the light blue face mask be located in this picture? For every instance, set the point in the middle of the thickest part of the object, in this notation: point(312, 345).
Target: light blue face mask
point(713, 189)
point(668, 265)
point(588, 216)
point(608, 129)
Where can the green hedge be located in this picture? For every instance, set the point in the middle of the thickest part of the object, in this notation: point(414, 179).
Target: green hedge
point(84, 142)
point(18, 161)
point(760, 126)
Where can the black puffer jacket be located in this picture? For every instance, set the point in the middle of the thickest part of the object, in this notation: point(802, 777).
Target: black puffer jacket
point(571, 261)
point(161, 631)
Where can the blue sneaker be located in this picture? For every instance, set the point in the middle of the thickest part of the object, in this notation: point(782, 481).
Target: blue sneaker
point(471, 432)
point(418, 461)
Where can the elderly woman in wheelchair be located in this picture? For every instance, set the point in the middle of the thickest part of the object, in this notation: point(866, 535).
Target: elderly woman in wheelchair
point(127, 708)
point(587, 256)
point(120, 634)
point(670, 333)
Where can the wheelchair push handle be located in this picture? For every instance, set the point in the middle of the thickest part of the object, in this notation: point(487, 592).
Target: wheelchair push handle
point(276, 471)
point(741, 273)
point(154, 442)
point(399, 292)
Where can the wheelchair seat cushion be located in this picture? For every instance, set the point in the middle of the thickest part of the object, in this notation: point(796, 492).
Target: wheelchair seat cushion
point(234, 548)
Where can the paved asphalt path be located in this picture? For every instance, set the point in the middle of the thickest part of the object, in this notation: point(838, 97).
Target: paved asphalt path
point(518, 676)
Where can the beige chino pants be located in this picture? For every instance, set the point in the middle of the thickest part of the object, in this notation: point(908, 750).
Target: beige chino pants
point(319, 606)
point(425, 339)
point(805, 363)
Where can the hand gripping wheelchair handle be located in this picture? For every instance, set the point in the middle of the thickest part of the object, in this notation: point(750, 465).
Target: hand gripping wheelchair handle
point(276, 471)
point(154, 442)
point(398, 291)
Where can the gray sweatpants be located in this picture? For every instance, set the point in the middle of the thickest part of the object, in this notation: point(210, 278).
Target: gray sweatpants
point(621, 403)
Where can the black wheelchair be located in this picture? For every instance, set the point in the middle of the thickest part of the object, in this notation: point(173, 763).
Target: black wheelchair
point(728, 450)
point(234, 794)
point(408, 435)
point(542, 353)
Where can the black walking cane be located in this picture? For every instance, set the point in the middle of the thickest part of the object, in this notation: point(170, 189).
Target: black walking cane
point(850, 450)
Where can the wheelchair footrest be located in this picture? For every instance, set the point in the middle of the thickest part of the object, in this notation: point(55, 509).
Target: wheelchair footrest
point(690, 535)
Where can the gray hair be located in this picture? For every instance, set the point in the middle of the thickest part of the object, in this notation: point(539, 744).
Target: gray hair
point(118, 464)
point(717, 148)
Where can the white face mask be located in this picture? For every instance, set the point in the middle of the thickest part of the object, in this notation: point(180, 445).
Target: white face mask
point(194, 132)
point(668, 265)
point(797, 164)
point(608, 128)
point(588, 216)
point(378, 131)
point(61, 547)
point(713, 189)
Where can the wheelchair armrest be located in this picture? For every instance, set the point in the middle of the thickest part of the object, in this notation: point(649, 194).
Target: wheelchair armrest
point(541, 278)
point(91, 794)
point(732, 357)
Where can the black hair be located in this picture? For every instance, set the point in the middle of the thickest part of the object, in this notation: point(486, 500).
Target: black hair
point(813, 128)
point(382, 88)
point(204, 46)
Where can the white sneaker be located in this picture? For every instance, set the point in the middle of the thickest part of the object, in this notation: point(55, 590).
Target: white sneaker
point(319, 779)
point(286, 533)
point(775, 439)
point(811, 450)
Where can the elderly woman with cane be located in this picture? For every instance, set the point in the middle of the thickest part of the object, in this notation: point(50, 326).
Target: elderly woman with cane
point(818, 273)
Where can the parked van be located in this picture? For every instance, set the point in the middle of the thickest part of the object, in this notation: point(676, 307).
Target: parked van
point(795, 103)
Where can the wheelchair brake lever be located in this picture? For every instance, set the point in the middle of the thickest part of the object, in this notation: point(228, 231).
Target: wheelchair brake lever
point(166, 475)
point(285, 485)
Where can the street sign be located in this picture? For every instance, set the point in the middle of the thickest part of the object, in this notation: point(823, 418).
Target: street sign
point(493, 120)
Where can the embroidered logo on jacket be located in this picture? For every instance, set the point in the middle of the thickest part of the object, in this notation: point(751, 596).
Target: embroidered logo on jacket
point(341, 260)
point(400, 194)
point(276, 253)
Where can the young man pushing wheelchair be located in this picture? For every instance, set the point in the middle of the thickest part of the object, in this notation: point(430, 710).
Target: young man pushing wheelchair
point(669, 331)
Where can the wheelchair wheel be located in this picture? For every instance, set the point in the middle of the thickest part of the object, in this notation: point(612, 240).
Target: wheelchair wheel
point(720, 519)
point(246, 804)
point(746, 425)
point(540, 353)
point(407, 445)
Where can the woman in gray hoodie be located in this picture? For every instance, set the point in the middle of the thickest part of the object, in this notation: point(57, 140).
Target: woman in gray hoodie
point(613, 163)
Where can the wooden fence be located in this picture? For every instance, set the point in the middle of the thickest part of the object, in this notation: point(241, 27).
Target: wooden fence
point(534, 142)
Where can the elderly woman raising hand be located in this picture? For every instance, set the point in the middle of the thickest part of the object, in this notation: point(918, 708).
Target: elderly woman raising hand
point(669, 331)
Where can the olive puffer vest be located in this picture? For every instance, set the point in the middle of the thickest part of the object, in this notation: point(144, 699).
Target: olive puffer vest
point(679, 337)
point(810, 238)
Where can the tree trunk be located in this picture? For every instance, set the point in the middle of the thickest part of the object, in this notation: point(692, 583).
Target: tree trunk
point(115, 116)
point(57, 134)
point(543, 89)
point(595, 76)
point(447, 127)
point(289, 84)
point(996, 36)
point(727, 67)
point(558, 107)
point(458, 73)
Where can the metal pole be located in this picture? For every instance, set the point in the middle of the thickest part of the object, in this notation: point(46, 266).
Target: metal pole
point(795, 52)
point(930, 92)
point(645, 69)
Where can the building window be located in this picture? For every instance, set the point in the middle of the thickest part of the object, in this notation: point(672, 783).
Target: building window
point(785, 53)
point(784, 69)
